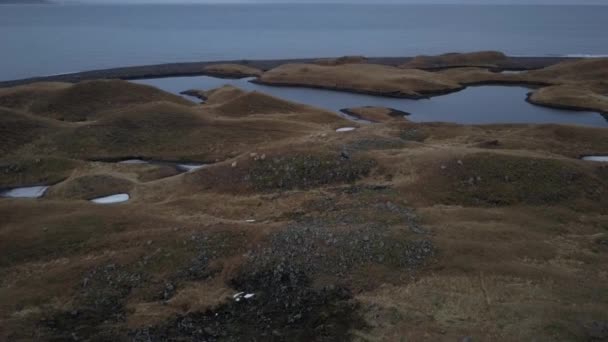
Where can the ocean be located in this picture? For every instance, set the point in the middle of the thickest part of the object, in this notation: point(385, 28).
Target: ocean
point(40, 40)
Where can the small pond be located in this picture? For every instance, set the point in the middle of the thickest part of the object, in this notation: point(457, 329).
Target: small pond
point(475, 105)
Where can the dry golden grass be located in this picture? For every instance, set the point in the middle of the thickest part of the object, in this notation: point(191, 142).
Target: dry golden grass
point(376, 114)
point(573, 96)
point(231, 71)
point(484, 59)
point(518, 252)
point(362, 78)
point(341, 60)
point(88, 100)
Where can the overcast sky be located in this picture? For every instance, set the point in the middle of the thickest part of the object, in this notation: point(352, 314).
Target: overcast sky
point(540, 2)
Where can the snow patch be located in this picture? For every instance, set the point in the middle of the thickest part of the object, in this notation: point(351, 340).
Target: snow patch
point(118, 198)
point(25, 192)
point(596, 158)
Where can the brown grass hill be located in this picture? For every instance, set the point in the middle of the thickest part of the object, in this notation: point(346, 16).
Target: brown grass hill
point(19, 128)
point(375, 114)
point(88, 100)
point(474, 76)
point(89, 186)
point(362, 78)
point(493, 179)
point(166, 131)
point(574, 96)
point(578, 85)
point(232, 102)
point(23, 97)
point(582, 70)
point(216, 95)
point(35, 170)
point(231, 71)
point(341, 60)
point(483, 59)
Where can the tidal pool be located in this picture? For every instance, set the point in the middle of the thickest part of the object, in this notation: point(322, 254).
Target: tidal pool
point(25, 192)
point(485, 104)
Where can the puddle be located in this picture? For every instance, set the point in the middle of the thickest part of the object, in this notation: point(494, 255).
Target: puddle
point(25, 192)
point(345, 129)
point(596, 158)
point(486, 104)
point(187, 167)
point(512, 71)
point(117, 198)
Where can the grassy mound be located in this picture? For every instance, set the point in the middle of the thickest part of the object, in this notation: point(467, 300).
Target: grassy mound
point(585, 70)
point(375, 114)
point(306, 171)
point(254, 102)
point(473, 76)
point(22, 97)
point(34, 171)
point(89, 187)
point(341, 60)
point(233, 104)
point(91, 99)
point(362, 78)
point(449, 60)
point(143, 131)
point(573, 97)
point(281, 170)
point(486, 179)
point(18, 129)
point(231, 71)
point(217, 95)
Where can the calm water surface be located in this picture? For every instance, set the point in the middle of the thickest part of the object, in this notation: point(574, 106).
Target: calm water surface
point(49, 39)
point(474, 105)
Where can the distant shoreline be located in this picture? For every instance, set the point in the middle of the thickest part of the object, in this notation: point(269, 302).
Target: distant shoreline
point(196, 68)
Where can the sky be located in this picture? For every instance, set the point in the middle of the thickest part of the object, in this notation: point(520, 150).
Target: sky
point(489, 2)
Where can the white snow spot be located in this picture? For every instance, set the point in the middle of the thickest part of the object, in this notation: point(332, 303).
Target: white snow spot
point(241, 295)
point(345, 129)
point(249, 221)
point(190, 167)
point(25, 192)
point(118, 198)
point(596, 158)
